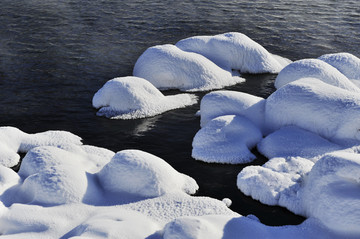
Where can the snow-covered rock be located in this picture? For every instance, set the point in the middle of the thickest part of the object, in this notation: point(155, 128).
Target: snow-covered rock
point(331, 192)
point(314, 68)
point(292, 141)
point(226, 139)
point(234, 51)
point(140, 173)
point(221, 103)
point(313, 105)
point(14, 141)
point(133, 97)
point(346, 63)
point(168, 67)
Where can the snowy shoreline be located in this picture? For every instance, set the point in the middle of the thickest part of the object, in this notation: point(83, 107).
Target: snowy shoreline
point(308, 129)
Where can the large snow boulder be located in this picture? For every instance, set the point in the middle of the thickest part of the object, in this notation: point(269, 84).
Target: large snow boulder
point(140, 173)
point(313, 105)
point(314, 68)
point(234, 51)
point(168, 67)
point(292, 141)
point(346, 63)
point(221, 103)
point(331, 192)
point(14, 141)
point(134, 97)
point(226, 139)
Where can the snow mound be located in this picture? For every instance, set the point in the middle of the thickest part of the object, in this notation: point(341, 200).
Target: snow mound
point(346, 63)
point(221, 103)
point(134, 97)
point(13, 140)
point(234, 51)
point(313, 105)
point(226, 139)
point(143, 174)
point(331, 192)
point(292, 141)
point(314, 68)
point(168, 67)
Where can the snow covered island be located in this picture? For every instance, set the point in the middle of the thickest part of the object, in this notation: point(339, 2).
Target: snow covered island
point(200, 63)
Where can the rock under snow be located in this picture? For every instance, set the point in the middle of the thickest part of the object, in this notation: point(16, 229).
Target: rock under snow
point(140, 173)
point(346, 63)
point(313, 105)
point(14, 141)
point(292, 141)
point(331, 192)
point(314, 68)
point(221, 103)
point(234, 51)
point(168, 67)
point(134, 97)
point(226, 139)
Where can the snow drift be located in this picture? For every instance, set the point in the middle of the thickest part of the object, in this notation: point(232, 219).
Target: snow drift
point(134, 97)
point(314, 68)
point(234, 51)
point(313, 105)
point(168, 67)
point(226, 139)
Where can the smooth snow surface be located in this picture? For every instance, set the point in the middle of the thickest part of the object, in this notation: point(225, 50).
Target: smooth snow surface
point(313, 105)
point(314, 68)
point(221, 103)
point(168, 67)
point(234, 51)
point(150, 176)
point(133, 97)
point(14, 141)
point(292, 141)
point(346, 63)
point(226, 139)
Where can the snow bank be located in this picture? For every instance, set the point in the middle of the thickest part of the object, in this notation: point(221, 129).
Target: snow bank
point(292, 141)
point(234, 51)
point(13, 140)
point(226, 139)
point(141, 173)
point(134, 97)
point(168, 67)
point(221, 103)
point(314, 68)
point(313, 105)
point(346, 63)
point(331, 192)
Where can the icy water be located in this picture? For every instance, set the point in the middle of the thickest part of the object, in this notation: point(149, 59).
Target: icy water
point(54, 55)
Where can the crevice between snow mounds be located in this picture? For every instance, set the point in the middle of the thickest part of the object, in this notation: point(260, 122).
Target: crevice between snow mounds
point(198, 63)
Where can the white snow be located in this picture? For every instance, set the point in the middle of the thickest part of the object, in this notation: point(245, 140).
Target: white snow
point(150, 175)
point(226, 139)
point(313, 105)
point(219, 103)
point(346, 63)
point(168, 67)
point(314, 68)
point(331, 192)
point(82, 191)
point(14, 141)
point(133, 97)
point(292, 141)
point(234, 51)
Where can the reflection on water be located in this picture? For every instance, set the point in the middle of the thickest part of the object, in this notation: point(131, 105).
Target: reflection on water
point(54, 55)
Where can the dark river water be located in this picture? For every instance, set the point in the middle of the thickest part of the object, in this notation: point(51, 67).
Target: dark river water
point(54, 55)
